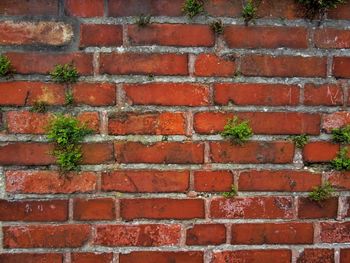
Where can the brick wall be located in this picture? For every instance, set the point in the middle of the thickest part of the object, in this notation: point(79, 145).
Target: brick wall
point(152, 176)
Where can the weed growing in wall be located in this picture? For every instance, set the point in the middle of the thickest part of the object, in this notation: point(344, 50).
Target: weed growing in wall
point(342, 161)
point(232, 193)
point(191, 8)
point(237, 131)
point(143, 20)
point(69, 99)
point(217, 26)
point(5, 66)
point(300, 140)
point(341, 135)
point(322, 192)
point(315, 8)
point(66, 73)
point(67, 132)
point(39, 107)
point(249, 12)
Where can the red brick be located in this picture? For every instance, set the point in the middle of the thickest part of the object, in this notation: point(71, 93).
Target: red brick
point(339, 180)
point(341, 67)
point(20, 93)
point(253, 256)
point(260, 122)
point(162, 257)
point(49, 182)
point(46, 236)
point(159, 152)
point(278, 180)
point(206, 234)
point(34, 33)
point(27, 122)
point(162, 208)
point(166, 123)
point(90, 257)
point(94, 209)
point(210, 65)
point(326, 94)
point(94, 94)
point(344, 255)
point(272, 233)
point(287, 9)
point(150, 7)
point(31, 258)
point(213, 181)
point(90, 119)
point(265, 37)
point(143, 64)
point(167, 94)
point(29, 7)
point(252, 152)
point(171, 35)
point(97, 153)
point(341, 12)
point(332, 38)
point(144, 181)
point(84, 8)
point(53, 210)
point(318, 152)
point(42, 63)
point(316, 256)
point(311, 209)
point(283, 66)
point(252, 207)
point(100, 35)
point(335, 120)
point(137, 235)
point(335, 232)
point(259, 94)
point(223, 8)
point(21, 153)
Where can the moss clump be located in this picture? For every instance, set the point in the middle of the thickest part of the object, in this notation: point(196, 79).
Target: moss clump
point(217, 26)
point(143, 20)
point(341, 135)
point(67, 132)
point(5, 66)
point(315, 8)
point(249, 12)
point(69, 98)
point(237, 131)
point(66, 73)
point(300, 140)
point(192, 8)
point(232, 193)
point(322, 193)
point(342, 161)
point(39, 107)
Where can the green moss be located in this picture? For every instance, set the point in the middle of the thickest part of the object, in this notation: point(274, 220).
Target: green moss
point(300, 140)
point(5, 66)
point(318, 7)
point(237, 131)
point(69, 99)
point(66, 73)
point(342, 161)
point(232, 193)
point(341, 135)
point(192, 8)
point(322, 193)
point(39, 107)
point(249, 12)
point(143, 20)
point(217, 26)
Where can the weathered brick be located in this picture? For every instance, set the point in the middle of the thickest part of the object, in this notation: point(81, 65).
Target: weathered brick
point(90, 257)
point(49, 182)
point(166, 123)
point(54, 210)
point(27, 122)
point(253, 256)
point(332, 38)
point(167, 94)
point(159, 152)
point(94, 94)
point(210, 65)
point(252, 152)
point(31, 258)
point(344, 255)
point(100, 35)
point(171, 35)
point(259, 94)
point(288, 9)
point(90, 119)
point(137, 235)
point(252, 207)
point(206, 234)
point(97, 153)
point(260, 122)
point(335, 120)
point(162, 208)
point(278, 180)
point(45, 236)
point(84, 8)
point(223, 8)
point(265, 37)
point(311, 209)
point(213, 181)
point(29, 7)
point(327, 94)
point(341, 67)
point(143, 64)
point(335, 232)
point(310, 255)
point(283, 66)
point(339, 180)
point(272, 233)
point(318, 152)
point(94, 209)
point(341, 12)
point(162, 256)
point(141, 181)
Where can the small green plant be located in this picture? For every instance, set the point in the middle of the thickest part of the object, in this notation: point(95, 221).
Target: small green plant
point(341, 135)
point(69, 98)
point(232, 193)
point(342, 161)
point(66, 73)
point(322, 193)
point(192, 8)
point(5, 66)
point(300, 140)
point(217, 26)
point(39, 107)
point(67, 132)
point(143, 20)
point(237, 131)
point(249, 12)
point(319, 7)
